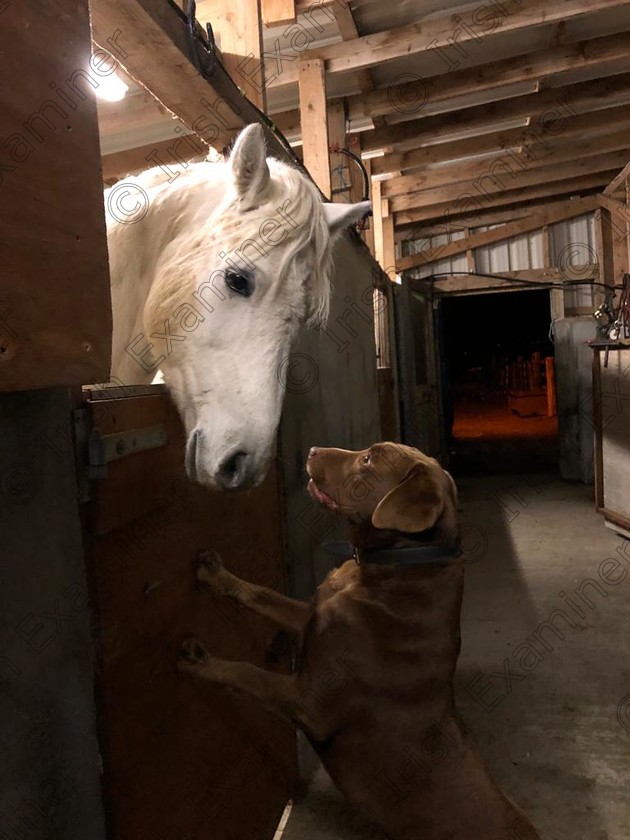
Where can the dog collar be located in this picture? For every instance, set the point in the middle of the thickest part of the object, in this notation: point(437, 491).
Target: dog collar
point(408, 556)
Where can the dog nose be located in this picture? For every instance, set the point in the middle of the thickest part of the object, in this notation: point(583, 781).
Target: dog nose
point(312, 452)
point(233, 470)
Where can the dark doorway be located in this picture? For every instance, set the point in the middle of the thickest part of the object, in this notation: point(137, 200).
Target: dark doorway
point(498, 382)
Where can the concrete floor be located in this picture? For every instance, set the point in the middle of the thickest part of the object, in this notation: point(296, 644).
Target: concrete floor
point(558, 740)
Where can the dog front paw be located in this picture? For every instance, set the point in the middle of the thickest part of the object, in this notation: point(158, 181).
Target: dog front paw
point(212, 573)
point(192, 655)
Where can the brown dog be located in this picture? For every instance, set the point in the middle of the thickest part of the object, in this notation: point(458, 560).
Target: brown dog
point(379, 642)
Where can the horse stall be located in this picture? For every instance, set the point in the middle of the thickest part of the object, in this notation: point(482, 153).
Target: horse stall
point(101, 526)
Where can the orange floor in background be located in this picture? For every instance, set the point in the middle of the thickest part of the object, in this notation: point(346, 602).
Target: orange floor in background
point(492, 419)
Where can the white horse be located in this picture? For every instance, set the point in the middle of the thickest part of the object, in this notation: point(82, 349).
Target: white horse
point(212, 274)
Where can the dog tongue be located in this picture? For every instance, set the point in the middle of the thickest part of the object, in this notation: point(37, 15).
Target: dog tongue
point(320, 496)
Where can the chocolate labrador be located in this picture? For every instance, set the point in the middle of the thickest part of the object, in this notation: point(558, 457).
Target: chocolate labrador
point(379, 641)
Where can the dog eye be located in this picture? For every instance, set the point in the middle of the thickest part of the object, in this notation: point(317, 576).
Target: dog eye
point(366, 459)
point(238, 283)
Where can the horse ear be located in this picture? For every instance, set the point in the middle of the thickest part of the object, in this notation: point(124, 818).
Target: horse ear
point(413, 505)
point(340, 216)
point(249, 164)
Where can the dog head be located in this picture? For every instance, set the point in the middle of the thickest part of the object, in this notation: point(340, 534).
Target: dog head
point(388, 487)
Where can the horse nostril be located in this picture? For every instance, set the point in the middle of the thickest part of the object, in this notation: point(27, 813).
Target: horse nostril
point(233, 470)
point(191, 455)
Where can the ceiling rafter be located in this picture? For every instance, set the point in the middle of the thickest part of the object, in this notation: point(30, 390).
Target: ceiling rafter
point(439, 32)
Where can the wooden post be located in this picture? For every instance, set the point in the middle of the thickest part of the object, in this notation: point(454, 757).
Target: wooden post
point(556, 296)
point(314, 122)
point(337, 137)
point(470, 256)
point(384, 251)
point(237, 27)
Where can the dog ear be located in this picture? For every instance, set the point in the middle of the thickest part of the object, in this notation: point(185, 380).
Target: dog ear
point(413, 505)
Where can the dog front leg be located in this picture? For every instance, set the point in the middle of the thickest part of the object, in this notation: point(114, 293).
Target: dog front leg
point(278, 693)
point(287, 613)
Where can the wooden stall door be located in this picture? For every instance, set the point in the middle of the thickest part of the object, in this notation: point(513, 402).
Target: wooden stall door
point(421, 417)
point(183, 760)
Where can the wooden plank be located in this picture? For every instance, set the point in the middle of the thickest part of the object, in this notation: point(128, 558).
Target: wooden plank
point(618, 181)
point(567, 101)
point(439, 31)
point(55, 310)
point(147, 599)
point(146, 30)
point(577, 207)
point(408, 98)
point(314, 121)
point(511, 213)
point(238, 30)
point(584, 126)
point(278, 12)
point(473, 284)
point(180, 151)
point(349, 32)
point(508, 163)
point(489, 184)
point(470, 208)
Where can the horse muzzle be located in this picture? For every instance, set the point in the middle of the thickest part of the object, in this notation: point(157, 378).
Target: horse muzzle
point(235, 469)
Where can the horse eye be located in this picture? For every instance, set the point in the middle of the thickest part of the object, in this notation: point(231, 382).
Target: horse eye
point(238, 283)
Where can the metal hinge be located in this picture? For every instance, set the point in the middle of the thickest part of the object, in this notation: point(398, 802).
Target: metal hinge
point(95, 451)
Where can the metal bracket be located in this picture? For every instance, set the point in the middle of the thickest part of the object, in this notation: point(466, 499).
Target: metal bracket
point(95, 451)
point(103, 449)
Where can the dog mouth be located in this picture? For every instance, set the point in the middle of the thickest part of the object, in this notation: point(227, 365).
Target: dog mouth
point(320, 496)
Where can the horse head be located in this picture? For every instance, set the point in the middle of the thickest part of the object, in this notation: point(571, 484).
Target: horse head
point(245, 259)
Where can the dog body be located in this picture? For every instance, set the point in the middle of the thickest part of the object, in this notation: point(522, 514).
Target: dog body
point(373, 688)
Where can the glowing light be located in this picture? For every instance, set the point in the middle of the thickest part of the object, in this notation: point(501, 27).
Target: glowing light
point(111, 88)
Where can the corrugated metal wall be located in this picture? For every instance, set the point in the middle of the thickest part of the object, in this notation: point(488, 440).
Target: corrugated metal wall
point(571, 245)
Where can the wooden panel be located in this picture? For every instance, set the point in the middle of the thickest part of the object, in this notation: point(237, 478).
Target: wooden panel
point(313, 116)
point(55, 313)
point(183, 760)
point(277, 12)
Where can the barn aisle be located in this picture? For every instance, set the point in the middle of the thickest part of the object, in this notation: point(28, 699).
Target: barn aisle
point(557, 736)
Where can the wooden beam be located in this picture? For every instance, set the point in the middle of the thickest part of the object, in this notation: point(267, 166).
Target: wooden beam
point(314, 119)
point(440, 33)
point(142, 30)
point(571, 209)
point(491, 183)
point(238, 30)
point(541, 108)
point(418, 229)
point(583, 126)
point(473, 284)
point(409, 98)
point(179, 150)
point(618, 181)
point(277, 12)
point(468, 209)
point(507, 164)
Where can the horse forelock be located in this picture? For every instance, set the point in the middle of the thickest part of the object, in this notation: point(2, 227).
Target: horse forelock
point(307, 233)
point(184, 258)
